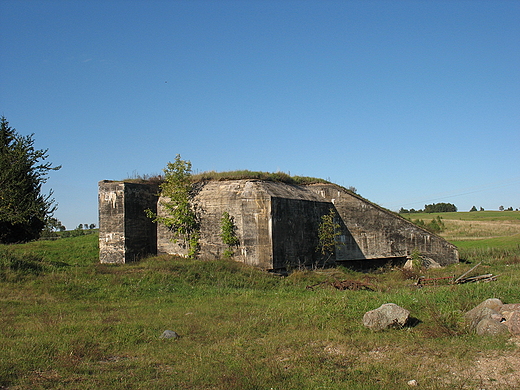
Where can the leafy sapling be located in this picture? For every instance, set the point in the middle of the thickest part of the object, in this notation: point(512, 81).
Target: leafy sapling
point(182, 217)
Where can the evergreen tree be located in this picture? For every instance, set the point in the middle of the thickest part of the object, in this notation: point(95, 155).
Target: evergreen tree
point(24, 210)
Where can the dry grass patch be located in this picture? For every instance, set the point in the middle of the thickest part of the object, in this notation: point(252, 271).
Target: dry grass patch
point(465, 230)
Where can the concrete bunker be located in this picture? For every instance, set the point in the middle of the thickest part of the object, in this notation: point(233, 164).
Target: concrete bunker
point(276, 223)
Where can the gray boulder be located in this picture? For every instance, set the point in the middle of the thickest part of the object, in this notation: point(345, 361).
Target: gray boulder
point(477, 314)
point(493, 303)
point(492, 317)
point(491, 327)
point(508, 309)
point(487, 309)
point(386, 316)
point(513, 323)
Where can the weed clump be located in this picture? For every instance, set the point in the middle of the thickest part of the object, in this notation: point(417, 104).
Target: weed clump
point(443, 322)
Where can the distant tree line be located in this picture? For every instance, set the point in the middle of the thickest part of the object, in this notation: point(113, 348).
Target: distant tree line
point(432, 208)
point(81, 230)
point(57, 230)
point(502, 208)
point(445, 208)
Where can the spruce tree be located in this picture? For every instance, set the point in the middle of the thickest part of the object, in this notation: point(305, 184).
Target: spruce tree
point(24, 210)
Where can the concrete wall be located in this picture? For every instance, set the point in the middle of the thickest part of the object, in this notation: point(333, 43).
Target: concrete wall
point(125, 232)
point(295, 232)
point(111, 222)
point(276, 224)
point(248, 203)
point(372, 232)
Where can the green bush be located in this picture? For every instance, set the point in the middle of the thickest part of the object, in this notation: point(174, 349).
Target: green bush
point(436, 225)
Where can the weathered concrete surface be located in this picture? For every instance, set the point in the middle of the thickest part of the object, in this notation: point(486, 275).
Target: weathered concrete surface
point(125, 232)
point(276, 223)
point(372, 232)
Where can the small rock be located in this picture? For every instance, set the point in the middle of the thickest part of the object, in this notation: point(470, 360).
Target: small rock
point(386, 316)
point(169, 334)
point(413, 382)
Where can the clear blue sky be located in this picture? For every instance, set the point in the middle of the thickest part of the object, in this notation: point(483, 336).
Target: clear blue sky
point(411, 102)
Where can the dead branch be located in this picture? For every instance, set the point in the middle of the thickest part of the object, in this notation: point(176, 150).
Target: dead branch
point(466, 273)
point(421, 281)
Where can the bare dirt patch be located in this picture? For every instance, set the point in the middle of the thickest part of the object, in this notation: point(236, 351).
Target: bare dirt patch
point(490, 370)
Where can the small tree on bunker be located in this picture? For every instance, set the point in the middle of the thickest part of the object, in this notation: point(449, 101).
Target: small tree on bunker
point(24, 210)
point(328, 232)
point(228, 233)
point(181, 217)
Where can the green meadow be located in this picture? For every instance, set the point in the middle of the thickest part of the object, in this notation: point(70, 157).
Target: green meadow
point(69, 322)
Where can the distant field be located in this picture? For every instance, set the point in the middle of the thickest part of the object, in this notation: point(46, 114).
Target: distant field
point(470, 216)
point(498, 242)
point(500, 228)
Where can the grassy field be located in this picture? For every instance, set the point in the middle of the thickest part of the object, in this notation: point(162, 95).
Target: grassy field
point(500, 228)
point(69, 322)
point(507, 216)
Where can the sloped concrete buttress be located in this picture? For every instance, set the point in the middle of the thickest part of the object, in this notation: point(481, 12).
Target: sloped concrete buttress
point(372, 232)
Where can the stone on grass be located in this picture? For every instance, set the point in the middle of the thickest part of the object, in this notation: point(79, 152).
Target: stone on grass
point(491, 303)
point(513, 323)
point(169, 334)
point(491, 327)
point(479, 313)
point(509, 308)
point(492, 317)
point(386, 316)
